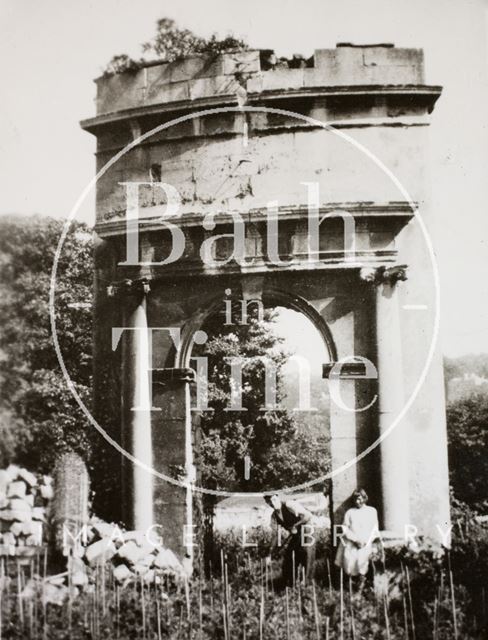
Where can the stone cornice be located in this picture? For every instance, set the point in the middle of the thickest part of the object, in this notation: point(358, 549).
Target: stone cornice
point(428, 94)
point(389, 210)
point(187, 268)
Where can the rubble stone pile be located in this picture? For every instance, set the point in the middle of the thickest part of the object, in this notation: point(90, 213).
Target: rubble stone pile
point(130, 554)
point(24, 507)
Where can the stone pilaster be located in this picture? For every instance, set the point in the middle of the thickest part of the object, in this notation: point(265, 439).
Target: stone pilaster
point(136, 402)
point(391, 399)
point(173, 456)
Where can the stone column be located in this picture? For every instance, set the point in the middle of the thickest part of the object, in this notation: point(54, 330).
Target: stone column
point(394, 446)
point(173, 455)
point(136, 401)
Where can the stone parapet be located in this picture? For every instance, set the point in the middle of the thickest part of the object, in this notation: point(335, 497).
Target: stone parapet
point(249, 74)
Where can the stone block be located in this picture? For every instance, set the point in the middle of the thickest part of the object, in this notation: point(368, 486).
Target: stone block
point(121, 91)
point(378, 65)
point(209, 87)
point(173, 92)
point(13, 471)
point(130, 552)
point(241, 62)
point(254, 84)
point(5, 479)
point(19, 504)
point(106, 530)
point(46, 492)
point(197, 67)
point(79, 578)
point(283, 79)
point(102, 549)
point(138, 537)
point(17, 528)
point(166, 559)
point(122, 573)
point(39, 513)
point(28, 477)
point(16, 489)
point(8, 538)
point(19, 515)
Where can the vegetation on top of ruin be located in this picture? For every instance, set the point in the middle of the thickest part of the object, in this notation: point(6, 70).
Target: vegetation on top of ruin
point(171, 43)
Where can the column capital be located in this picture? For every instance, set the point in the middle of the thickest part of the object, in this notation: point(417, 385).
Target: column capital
point(384, 275)
point(127, 287)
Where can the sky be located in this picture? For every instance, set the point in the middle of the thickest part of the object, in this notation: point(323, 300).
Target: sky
point(51, 50)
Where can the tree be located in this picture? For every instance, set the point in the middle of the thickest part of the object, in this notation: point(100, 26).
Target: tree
point(172, 43)
point(39, 416)
point(280, 454)
point(467, 425)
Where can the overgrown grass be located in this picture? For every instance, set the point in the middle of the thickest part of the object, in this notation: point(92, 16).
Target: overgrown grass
point(411, 594)
point(415, 596)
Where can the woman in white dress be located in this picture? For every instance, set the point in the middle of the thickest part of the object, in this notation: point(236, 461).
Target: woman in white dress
point(359, 530)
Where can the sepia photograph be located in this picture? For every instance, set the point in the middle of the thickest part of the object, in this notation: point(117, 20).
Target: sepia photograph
point(244, 320)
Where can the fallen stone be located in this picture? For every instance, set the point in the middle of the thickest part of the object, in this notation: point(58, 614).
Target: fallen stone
point(149, 576)
point(29, 528)
point(166, 559)
point(141, 568)
point(19, 504)
point(8, 538)
point(28, 477)
point(102, 549)
point(39, 513)
point(131, 552)
point(46, 491)
point(136, 536)
point(122, 572)
point(20, 515)
point(13, 471)
point(17, 528)
point(5, 479)
point(5, 519)
point(79, 579)
point(110, 531)
point(16, 489)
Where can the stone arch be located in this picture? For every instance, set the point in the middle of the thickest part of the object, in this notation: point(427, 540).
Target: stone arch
point(271, 296)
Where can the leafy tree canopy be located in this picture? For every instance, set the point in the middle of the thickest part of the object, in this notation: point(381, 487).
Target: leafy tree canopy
point(467, 423)
point(38, 416)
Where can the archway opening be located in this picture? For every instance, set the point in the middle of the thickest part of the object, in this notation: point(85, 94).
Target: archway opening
point(260, 408)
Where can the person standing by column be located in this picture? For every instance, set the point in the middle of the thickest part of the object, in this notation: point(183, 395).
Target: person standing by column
point(359, 530)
